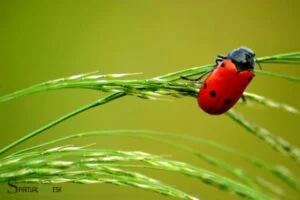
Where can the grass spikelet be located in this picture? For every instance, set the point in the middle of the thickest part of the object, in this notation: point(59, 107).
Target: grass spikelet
point(285, 58)
point(295, 79)
point(276, 142)
point(270, 103)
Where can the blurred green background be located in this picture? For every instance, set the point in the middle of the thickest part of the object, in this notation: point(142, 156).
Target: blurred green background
point(44, 40)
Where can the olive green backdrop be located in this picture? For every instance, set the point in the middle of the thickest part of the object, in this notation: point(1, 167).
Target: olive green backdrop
point(44, 40)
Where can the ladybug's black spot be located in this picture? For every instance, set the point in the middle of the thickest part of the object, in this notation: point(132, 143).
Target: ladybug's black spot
point(250, 78)
point(227, 101)
point(204, 85)
point(212, 93)
point(223, 64)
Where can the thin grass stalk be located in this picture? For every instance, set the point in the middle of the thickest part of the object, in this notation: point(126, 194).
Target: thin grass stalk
point(270, 103)
point(61, 119)
point(276, 142)
point(88, 78)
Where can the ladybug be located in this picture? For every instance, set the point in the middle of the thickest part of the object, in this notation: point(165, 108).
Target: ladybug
point(226, 83)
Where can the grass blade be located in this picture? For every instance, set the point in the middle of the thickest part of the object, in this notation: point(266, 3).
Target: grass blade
point(276, 142)
point(270, 103)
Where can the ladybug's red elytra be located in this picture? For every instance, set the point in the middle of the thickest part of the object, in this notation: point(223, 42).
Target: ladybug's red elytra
point(226, 83)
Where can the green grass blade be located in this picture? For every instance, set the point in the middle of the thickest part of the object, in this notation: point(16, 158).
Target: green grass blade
point(98, 102)
point(276, 142)
point(292, 56)
point(283, 76)
point(95, 81)
point(270, 103)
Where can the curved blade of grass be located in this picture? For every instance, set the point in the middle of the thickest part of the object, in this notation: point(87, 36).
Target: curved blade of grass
point(88, 80)
point(210, 178)
point(285, 176)
point(130, 87)
point(98, 102)
point(269, 186)
point(50, 157)
point(189, 91)
point(276, 142)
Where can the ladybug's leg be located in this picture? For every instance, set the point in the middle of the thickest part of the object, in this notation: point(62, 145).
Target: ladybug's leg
point(191, 79)
point(244, 99)
point(198, 78)
point(259, 65)
point(220, 58)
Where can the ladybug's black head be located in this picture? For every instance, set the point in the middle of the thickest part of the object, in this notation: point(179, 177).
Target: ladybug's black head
point(243, 58)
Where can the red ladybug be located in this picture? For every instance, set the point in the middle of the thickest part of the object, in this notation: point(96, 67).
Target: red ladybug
point(227, 81)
